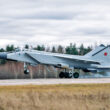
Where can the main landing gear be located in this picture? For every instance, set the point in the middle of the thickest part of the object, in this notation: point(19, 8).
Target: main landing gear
point(65, 75)
point(69, 74)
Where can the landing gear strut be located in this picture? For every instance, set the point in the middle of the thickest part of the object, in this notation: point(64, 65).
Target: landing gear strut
point(26, 70)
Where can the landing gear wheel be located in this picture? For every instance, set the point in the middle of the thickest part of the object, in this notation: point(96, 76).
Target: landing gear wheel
point(76, 75)
point(26, 71)
point(61, 75)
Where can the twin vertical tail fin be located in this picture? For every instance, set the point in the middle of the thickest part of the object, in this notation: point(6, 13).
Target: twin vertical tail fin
point(101, 53)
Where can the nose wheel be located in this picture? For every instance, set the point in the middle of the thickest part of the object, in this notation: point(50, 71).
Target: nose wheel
point(26, 71)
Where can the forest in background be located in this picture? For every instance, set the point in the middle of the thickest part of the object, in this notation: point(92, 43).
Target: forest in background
point(71, 49)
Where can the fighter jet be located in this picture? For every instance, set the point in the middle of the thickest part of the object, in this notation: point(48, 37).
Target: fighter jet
point(96, 61)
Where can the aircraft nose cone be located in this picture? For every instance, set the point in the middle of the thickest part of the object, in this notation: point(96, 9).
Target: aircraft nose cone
point(3, 56)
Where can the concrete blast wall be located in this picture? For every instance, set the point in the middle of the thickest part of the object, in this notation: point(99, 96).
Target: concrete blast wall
point(14, 70)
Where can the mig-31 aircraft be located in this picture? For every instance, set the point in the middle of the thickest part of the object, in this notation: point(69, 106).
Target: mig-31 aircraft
point(96, 61)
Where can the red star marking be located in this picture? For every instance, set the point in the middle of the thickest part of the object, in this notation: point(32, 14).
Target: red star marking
point(105, 54)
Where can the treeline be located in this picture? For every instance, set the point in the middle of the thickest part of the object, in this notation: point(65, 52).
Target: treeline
point(71, 49)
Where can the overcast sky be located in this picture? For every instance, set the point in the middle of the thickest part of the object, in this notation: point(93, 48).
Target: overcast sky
point(54, 22)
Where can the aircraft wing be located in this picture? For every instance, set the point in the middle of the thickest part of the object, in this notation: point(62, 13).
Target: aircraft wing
point(79, 59)
point(54, 59)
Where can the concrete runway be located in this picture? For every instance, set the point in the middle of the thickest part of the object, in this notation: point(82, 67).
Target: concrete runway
point(53, 81)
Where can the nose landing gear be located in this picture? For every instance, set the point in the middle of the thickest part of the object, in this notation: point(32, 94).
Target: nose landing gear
point(26, 70)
